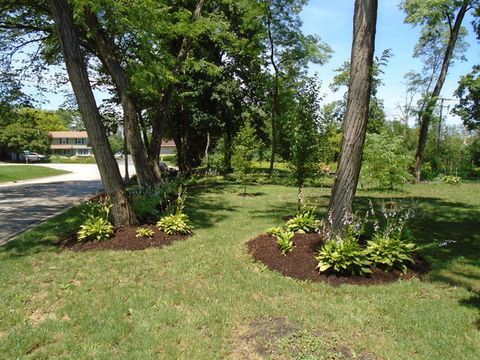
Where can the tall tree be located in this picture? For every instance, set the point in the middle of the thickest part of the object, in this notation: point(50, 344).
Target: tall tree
point(468, 92)
point(355, 122)
point(431, 14)
point(108, 54)
point(288, 52)
point(62, 15)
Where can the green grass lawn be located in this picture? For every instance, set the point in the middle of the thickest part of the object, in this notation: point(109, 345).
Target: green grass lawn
point(25, 172)
point(204, 298)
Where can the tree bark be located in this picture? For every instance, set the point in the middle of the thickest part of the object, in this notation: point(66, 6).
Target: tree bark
point(122, 212)
point(107, 54)
point(356, 116)
point(427, 114)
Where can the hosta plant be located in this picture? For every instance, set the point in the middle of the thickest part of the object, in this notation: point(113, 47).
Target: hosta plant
point(304, 222)
point(285, 241)
point(144, 232)
point(390, 253)
point(343, 256)
point(175, 224)
point(96, 226)
point(274, 230)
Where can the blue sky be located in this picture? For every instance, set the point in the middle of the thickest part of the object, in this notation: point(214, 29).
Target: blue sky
point(332, 21)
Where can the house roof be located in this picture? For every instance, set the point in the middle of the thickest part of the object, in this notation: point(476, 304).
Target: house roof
point(168, 143)
point(68, 134)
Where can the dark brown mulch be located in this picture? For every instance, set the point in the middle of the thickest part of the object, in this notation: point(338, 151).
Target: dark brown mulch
point(300, 263)
point(123, 239)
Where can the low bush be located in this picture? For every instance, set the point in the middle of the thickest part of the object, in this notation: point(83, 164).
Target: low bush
point(96, 226)
point(274, 231)
point(450, 179)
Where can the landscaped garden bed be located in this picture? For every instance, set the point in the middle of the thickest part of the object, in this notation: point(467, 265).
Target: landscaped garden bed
point(301, 264)
point(123, 239)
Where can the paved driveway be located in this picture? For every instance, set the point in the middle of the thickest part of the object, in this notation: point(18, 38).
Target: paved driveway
point(25, 203)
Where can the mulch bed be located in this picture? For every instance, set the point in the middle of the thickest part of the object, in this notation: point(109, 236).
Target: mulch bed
point(123, 239)
point(300, 263)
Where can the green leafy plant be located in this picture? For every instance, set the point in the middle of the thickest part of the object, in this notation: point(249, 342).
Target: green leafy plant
point(304, 222)
point(274, 231)
point(144, 232)
point(344, 257)
point(96, 226)
point(285, 241)
point(175, 224)
point(391, 253)
point(451, 179)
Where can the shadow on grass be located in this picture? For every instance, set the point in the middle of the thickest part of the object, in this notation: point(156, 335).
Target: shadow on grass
point(206, 211)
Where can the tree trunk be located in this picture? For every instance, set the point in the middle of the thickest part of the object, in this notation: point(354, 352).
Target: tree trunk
point(122, 212)
point(107, 54)
point(356, 116)
point(427, 114)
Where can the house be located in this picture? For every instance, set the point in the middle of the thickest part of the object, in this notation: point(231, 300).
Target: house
point(70, 143)
point(75, 143)
point(168, 148)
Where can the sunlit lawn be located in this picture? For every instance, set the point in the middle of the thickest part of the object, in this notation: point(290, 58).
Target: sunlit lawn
point(198, 298)
point(25, 172)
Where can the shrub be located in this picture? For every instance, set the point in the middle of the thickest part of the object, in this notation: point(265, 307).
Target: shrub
point(391, 253)
point(304, 222)
point(96, 226)
point(284, 241)
point(344, 257)
point(144, 232)
point(385, 161)
point(451, 179)
point(146, 207)
point(175, 224)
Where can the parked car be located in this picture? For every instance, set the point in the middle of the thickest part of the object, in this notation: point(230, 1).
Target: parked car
point(33, 156)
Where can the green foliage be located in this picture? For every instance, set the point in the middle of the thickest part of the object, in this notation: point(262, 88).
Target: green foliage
point(344, 257)
point(116, 143)
point(147, 206)
point(285, 241)
point(390, 252)
point(385, 161)
point(175, 224)
point(468, 92)
point(451, 179)
point(246, 145)
point(274, 231)
point(97, 225)
point(304, 222)
point(144, 232)
point(304, 146)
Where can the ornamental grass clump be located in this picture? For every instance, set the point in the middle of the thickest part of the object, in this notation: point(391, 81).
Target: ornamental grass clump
point(177, 222)
point(97, 225)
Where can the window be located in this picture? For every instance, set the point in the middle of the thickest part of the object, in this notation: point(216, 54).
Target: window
point(80, 141)
point(63, 141)
point(83, 152)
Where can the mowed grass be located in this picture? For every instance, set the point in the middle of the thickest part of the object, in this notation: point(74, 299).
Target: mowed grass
point(198, 298)
point(25, 172)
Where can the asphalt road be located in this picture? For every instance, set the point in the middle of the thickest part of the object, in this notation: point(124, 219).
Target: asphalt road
point(26, 203)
